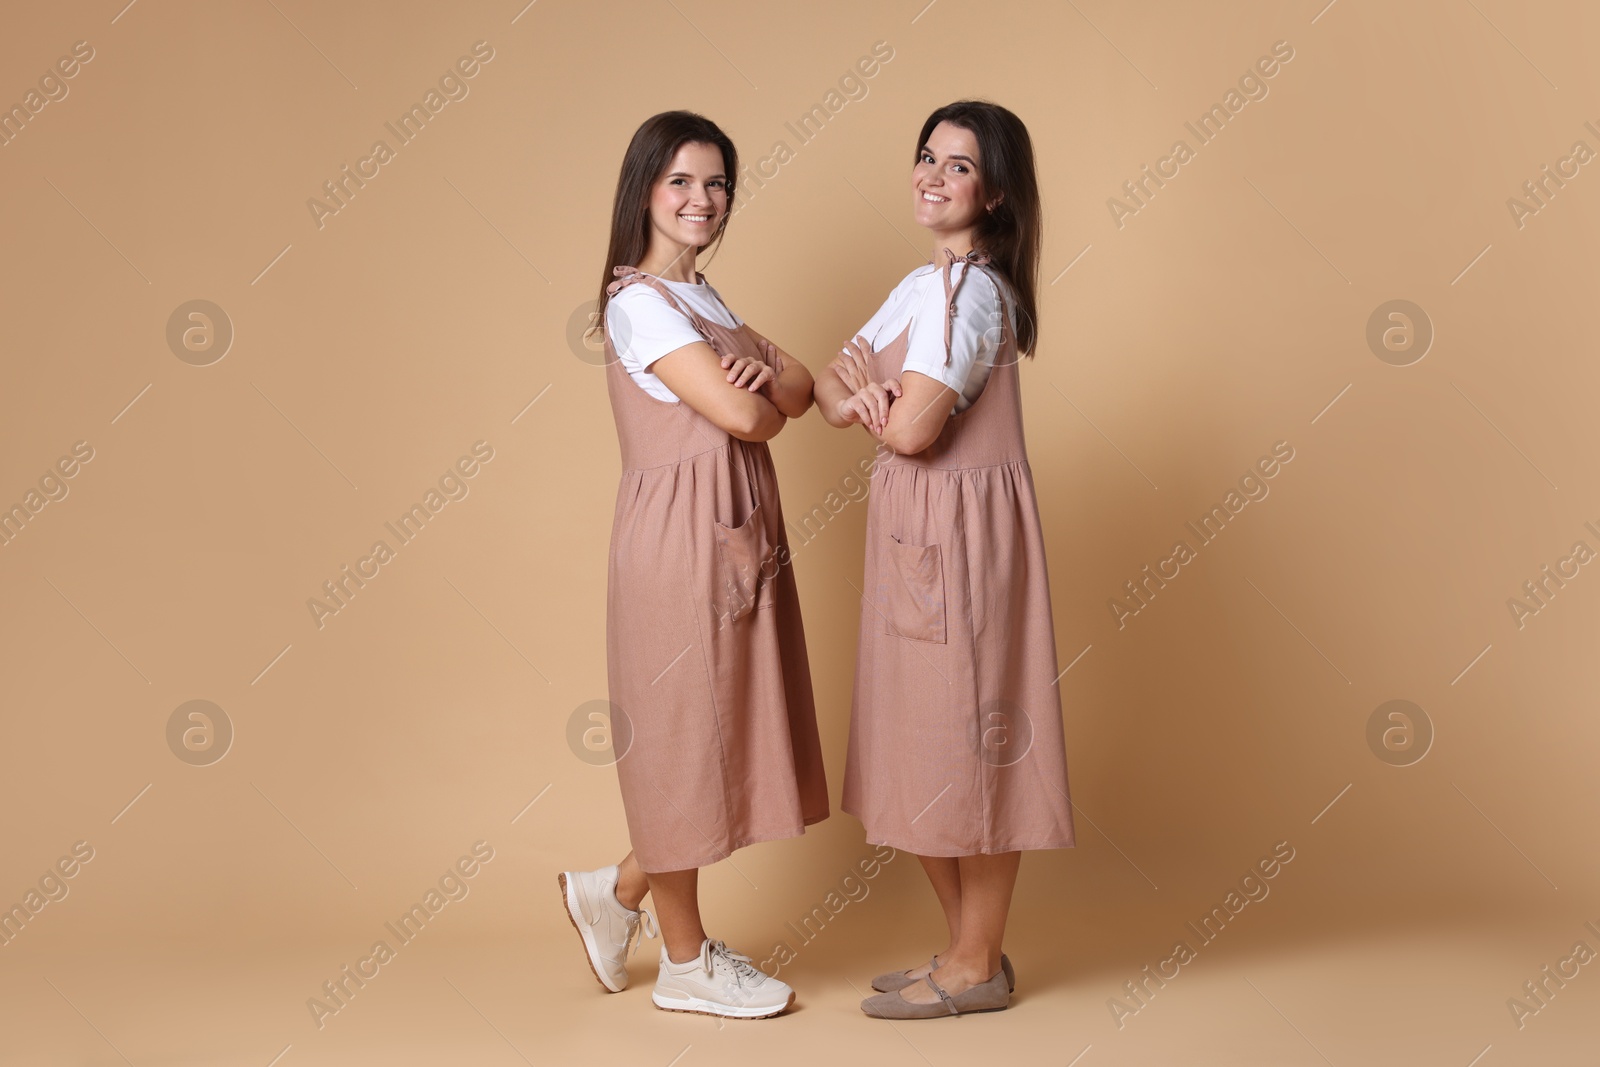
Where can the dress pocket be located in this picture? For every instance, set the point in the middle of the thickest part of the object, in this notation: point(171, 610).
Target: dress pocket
point(914, 591)
point(744, 568)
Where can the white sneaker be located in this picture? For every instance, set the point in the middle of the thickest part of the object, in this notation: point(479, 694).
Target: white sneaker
point(605, 926)
point(719, 982)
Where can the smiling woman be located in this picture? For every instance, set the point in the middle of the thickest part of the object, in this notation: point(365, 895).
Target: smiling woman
point(724, 750)
point(955, 628)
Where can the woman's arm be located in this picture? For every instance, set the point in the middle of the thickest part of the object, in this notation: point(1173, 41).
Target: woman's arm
point(790, 391)
point(918, 413)
point(906, 414)
point(695, 375)
point(831, 393)
point(846, 374)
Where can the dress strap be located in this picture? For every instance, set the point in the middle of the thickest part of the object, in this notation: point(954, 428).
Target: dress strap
point(626, 275)
point(973, 259)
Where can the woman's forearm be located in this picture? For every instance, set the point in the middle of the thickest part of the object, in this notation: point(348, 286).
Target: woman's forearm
point(790, 392)
point(759, 419)
point(831, 393)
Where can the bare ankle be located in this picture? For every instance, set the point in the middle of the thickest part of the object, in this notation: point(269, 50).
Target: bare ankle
point(973, 966)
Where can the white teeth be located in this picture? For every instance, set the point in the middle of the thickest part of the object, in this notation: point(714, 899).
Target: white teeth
point(695, 218)
point(933, 199)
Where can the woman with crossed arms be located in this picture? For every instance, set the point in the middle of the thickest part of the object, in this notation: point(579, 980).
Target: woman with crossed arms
point(956, 751)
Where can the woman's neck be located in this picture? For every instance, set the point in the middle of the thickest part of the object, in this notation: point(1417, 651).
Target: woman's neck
point(957, 241)
point(672, 262)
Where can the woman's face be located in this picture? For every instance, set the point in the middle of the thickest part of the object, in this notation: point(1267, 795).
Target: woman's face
point(945, 187)
point(689, 201)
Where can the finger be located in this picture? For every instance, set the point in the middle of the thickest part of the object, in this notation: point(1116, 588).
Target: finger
point(872, 393)
point(863, 411)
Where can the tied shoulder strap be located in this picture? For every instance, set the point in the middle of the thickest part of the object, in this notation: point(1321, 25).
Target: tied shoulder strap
point(626, 275)
point(973, 259)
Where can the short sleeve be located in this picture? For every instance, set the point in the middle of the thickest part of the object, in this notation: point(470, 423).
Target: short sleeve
point(737, 321)
point(874, 324)
point(643, 327)
point(974, 335)
point(885, 312)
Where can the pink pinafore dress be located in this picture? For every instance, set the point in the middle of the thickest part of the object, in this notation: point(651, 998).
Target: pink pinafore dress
point(956, 742)
point(705, 650)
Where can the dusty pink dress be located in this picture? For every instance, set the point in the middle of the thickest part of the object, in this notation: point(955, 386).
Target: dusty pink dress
point(705, 651)
point(956, 743)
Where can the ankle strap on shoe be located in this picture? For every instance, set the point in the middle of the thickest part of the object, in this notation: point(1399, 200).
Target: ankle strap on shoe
point(937, 988)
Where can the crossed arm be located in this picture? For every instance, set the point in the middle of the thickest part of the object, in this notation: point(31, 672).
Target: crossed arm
point(751, 400)
point(906, 413)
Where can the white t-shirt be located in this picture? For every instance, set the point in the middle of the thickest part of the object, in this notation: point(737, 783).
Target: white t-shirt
point(643, 327)
point(974, 335)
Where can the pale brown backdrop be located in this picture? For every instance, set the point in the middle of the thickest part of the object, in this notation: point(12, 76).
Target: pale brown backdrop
point(373, 347)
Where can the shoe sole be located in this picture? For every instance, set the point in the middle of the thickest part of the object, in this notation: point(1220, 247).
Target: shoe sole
point(946, 1015)
point(1010, 987)
point(570, 906)
point(713, 1009)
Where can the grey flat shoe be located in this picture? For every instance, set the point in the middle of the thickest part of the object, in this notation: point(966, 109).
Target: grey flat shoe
point(986, 996)
point(897, 980)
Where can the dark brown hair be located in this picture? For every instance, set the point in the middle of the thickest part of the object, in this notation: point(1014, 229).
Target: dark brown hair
point(648, 156)
point(1011, 233)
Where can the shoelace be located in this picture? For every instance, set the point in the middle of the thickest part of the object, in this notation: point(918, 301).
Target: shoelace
point(639, 919)
point(738, 964)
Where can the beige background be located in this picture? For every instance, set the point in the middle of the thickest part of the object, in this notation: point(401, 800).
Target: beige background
point(1227, 314)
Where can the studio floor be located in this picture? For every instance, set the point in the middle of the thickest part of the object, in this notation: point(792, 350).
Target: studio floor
point(1377, 989)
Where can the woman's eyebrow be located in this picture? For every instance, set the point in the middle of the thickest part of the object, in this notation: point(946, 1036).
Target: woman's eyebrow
point(952, 155)
point(685, 174)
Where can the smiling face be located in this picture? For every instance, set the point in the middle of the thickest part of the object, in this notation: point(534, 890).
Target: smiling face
point(945, 187)
point(689, 201)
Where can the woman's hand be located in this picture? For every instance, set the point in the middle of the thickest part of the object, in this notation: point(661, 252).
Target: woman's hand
point(869, 405)
point(771, 354)
point(852, 365)
point(748, 373)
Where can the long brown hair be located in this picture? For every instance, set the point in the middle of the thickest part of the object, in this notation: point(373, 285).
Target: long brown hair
point(1012, 232)
point(649, 155)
